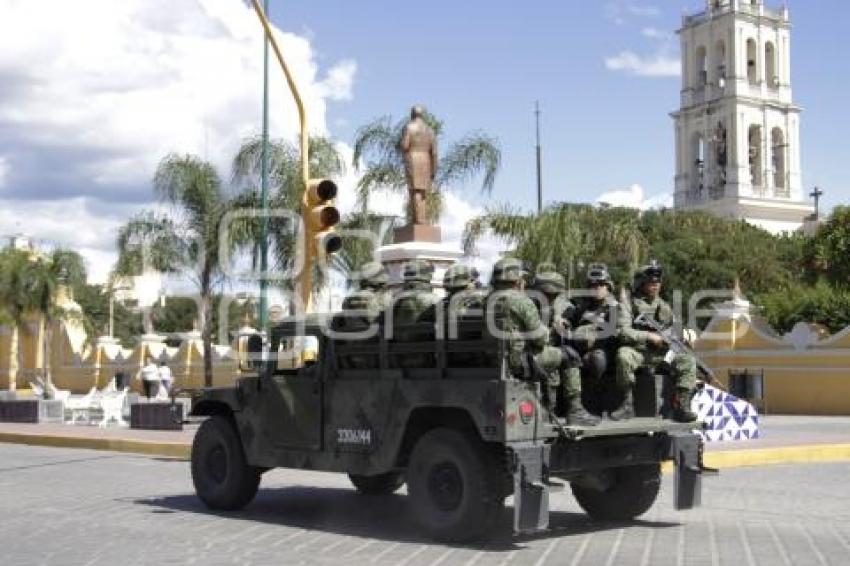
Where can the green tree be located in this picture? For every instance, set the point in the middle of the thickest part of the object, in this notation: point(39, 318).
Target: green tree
point(29, 285)
point(190, 239)
point(828, 253)
point(376, 144)
point(564, 234)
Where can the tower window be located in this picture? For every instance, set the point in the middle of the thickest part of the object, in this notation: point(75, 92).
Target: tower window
point(779, 150)
point(702, 67)
point(752, 54)
point(755, 156)
point(770, 65)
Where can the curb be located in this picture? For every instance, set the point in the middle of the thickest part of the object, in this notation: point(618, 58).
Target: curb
point(148, 448)
point(721, 459)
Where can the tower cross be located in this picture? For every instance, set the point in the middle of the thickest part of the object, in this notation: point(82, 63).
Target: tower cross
point(816, 194)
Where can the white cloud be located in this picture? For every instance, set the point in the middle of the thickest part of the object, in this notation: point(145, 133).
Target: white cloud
point(74, 223)
point(635, 197)
point(655, 33)
point(97, 93)
point(620, 11)
point(4, 170)
point(658, 65)
point(119, 84)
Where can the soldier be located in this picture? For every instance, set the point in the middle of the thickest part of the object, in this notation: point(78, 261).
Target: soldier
point(462, 296)
point(514, 314)
point(594, 324)
point(641, 346)
point(415, 304)
point(370, 298)
point(462, 301)
point(362, 309)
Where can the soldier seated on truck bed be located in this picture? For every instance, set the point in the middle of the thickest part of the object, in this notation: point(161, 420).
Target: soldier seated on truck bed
point(415, 304)
point(362, 309)
point(642, 346)
point(515, 318)
point(463, 303)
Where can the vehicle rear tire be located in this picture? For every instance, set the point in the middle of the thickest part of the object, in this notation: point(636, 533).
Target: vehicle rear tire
point(632, 493)
point(382, 484)
point(454, 486)
point(222, 477)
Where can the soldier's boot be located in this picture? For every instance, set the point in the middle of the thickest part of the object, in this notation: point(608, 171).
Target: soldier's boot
point(626, 410)
point(577, 415)
point(682, 406)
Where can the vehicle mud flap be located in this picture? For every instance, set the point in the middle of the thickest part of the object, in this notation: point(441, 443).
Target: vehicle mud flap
point(531, 489)
point(687, 459)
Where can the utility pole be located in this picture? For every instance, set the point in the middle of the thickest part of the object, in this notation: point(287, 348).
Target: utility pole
point(539, 166)
point(264, 187)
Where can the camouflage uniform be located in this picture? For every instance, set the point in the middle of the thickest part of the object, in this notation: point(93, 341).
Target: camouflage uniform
point(556, 312)
point(370, 298)
point(415, 304)
point(636, 350)
point(461, 302)
point(515, 314)
point(365, 307)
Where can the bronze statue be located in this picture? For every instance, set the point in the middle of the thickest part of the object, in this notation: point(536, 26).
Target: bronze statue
point(418, 145)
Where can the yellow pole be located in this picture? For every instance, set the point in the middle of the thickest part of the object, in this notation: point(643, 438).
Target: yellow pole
point(304, 281)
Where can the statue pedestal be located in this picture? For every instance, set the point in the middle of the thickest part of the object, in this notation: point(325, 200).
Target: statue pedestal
point(440, 255)
point(417, 233)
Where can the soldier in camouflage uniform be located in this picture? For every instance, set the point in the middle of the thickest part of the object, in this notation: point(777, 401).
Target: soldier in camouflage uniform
point(515, 315)
point(415, 303)
point(594, 331)
point(363, 308)
point(643, 347)
point(462, 301)
point(370, 298)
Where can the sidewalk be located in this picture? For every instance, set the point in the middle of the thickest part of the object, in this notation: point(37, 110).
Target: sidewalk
point(784, 440)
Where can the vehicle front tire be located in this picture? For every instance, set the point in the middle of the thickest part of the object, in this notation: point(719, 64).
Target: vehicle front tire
point(454, 486)
point(382, 484)
point(632, 492)
point(222, 477)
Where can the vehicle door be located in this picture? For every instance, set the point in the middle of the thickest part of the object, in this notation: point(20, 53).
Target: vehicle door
point(292, 398)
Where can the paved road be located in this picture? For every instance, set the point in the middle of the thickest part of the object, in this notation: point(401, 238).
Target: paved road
point(69, 507)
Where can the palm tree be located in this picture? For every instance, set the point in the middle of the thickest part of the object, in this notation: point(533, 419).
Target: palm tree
point(562, 234)
point(15, 303)
point(377, 144)
point(287, 188)
point(190, 238)
point(29, 285)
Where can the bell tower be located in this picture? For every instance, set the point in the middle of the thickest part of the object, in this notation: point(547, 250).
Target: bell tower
point(738, 129)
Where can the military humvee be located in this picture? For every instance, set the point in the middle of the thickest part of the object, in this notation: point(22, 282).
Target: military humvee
point(442, 415)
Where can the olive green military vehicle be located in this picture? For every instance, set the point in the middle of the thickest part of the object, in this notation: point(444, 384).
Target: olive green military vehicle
point(462, 433)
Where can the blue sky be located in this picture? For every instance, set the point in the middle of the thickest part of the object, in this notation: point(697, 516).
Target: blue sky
point(481, 65)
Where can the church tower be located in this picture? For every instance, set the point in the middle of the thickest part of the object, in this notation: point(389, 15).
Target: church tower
point(738, 129)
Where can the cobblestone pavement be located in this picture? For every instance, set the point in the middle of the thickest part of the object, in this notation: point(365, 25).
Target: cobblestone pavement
point(72, 507)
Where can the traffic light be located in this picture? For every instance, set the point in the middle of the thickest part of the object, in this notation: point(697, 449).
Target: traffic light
point(320, 217)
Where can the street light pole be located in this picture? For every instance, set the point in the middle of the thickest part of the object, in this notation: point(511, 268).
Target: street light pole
point(264, 186)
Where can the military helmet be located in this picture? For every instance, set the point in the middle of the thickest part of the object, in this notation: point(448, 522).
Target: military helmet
point(509, 270)
point(549, 282)
point(373, 274)
point(650, 273)
point(417, 270)
point(597, 273)
point(458, 277)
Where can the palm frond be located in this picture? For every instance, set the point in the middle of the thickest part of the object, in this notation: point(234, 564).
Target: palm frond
point(476, 153)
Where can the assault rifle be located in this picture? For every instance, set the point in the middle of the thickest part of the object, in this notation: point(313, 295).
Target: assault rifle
point(678, 346)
